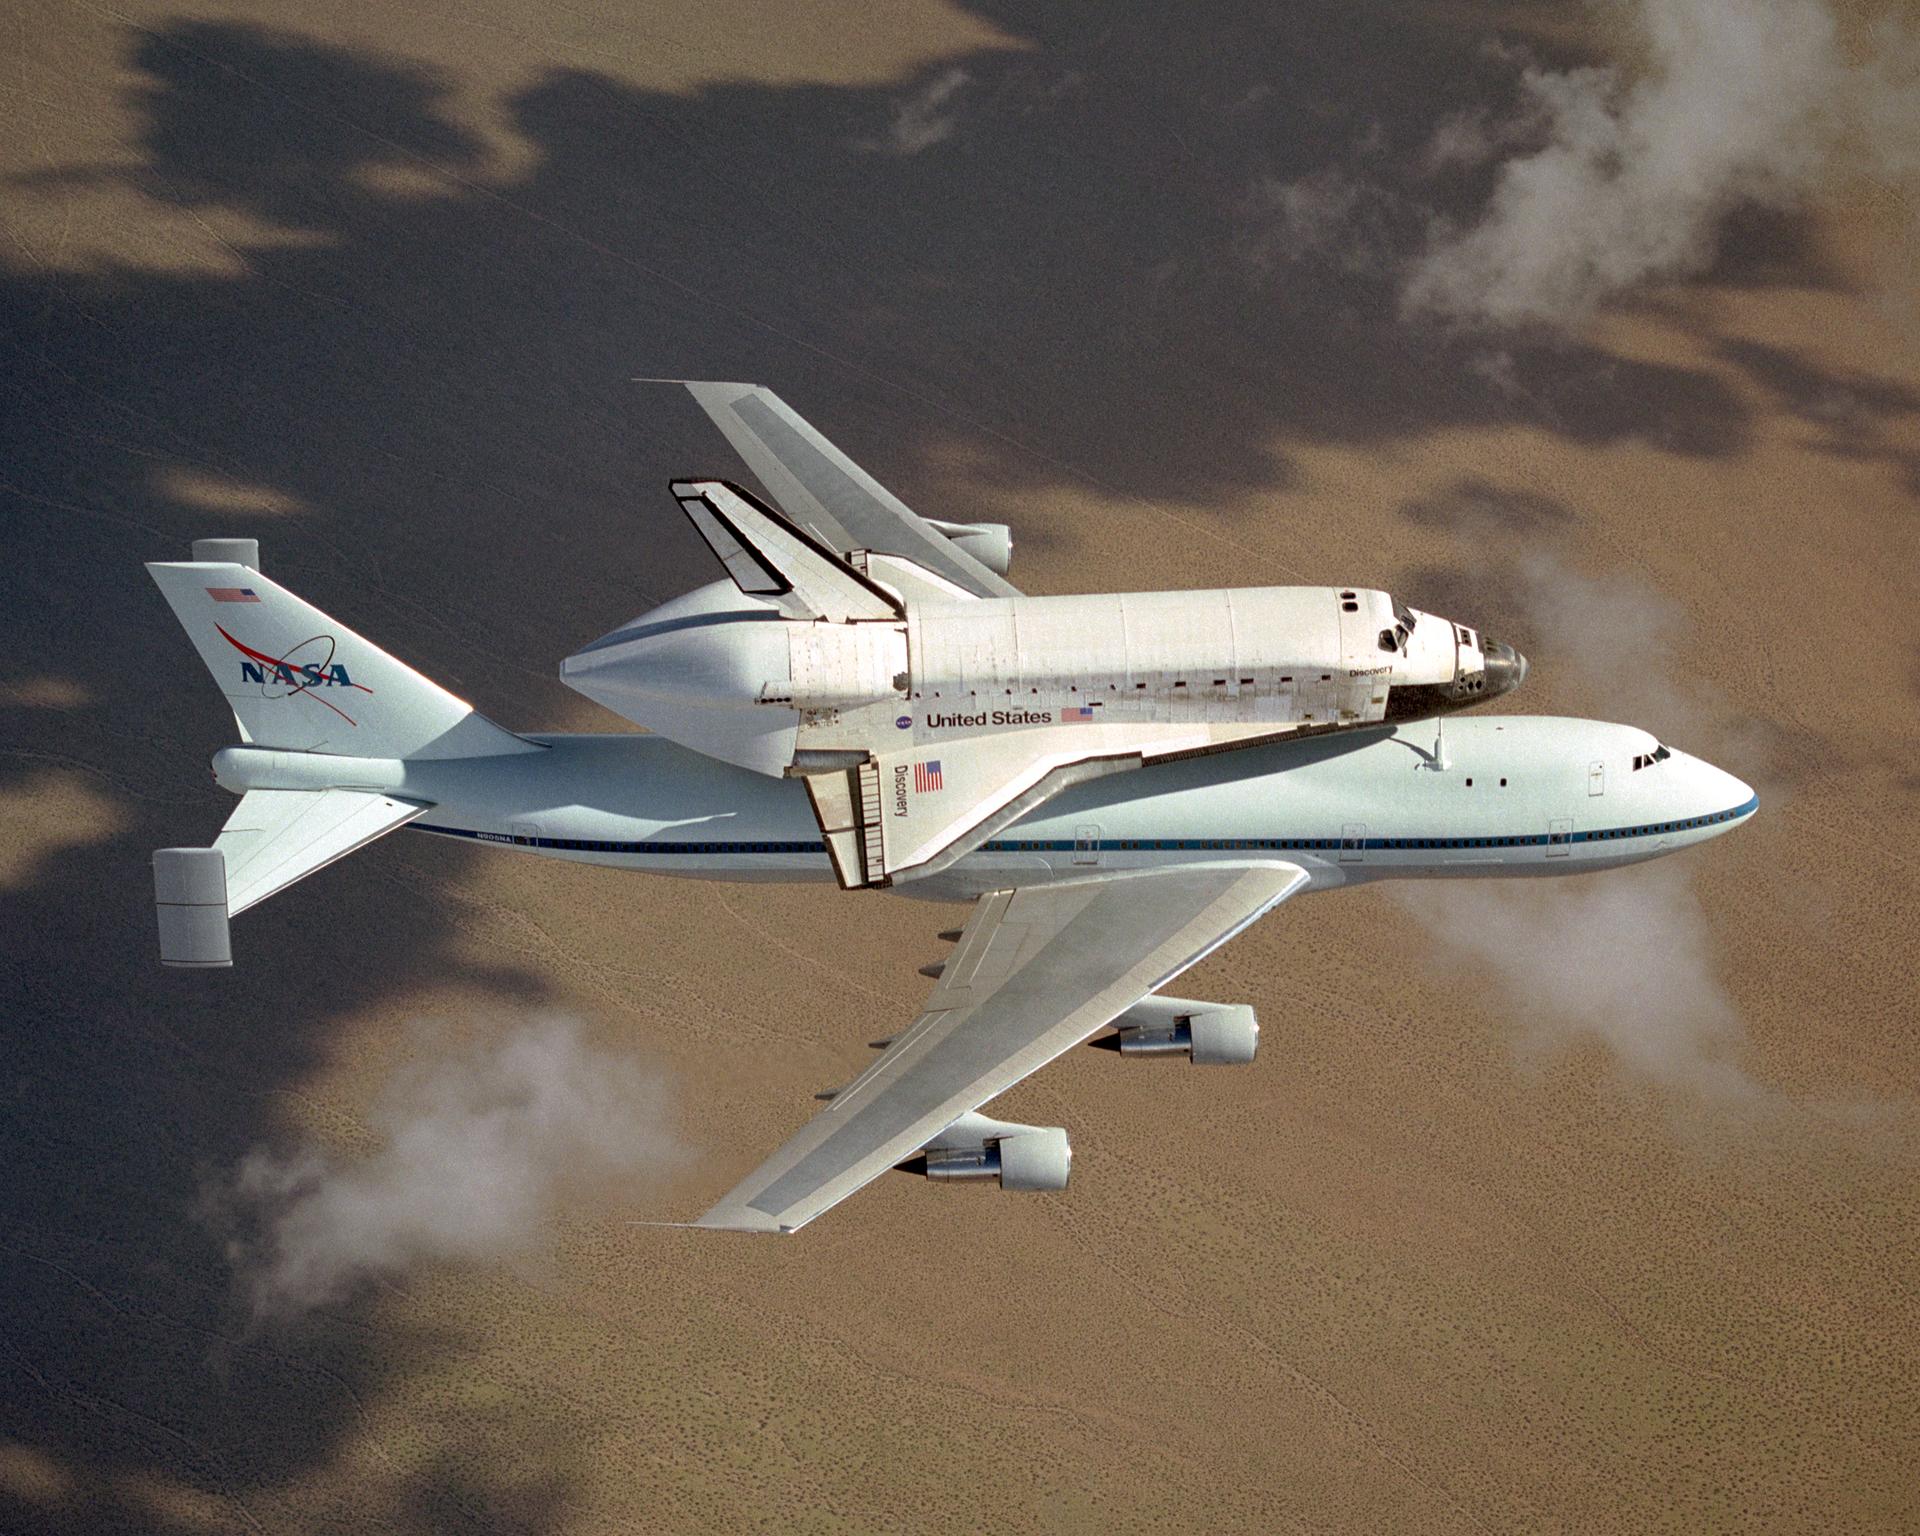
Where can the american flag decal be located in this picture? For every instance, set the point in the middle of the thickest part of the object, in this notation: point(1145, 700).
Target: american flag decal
point(1079, 714)
point(233, 594)
point(926, 777)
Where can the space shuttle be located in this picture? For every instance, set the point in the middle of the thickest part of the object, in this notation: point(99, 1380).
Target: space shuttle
point(928, 704)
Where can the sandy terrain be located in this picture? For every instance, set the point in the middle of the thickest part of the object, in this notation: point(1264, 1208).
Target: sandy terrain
point(368, 281)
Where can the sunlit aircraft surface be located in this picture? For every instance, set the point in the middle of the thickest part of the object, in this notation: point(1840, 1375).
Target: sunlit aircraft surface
point(1118, 784)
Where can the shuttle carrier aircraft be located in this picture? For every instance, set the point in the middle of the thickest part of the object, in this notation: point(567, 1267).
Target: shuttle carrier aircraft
point(1117, 784)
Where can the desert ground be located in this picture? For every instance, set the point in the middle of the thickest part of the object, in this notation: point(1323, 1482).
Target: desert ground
point(1553, 1206)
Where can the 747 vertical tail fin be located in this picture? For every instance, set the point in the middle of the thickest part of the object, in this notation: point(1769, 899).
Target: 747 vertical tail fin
point(299, 680)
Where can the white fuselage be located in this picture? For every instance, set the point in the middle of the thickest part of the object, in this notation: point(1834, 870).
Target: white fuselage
point(1511, 795)
point(726, 674)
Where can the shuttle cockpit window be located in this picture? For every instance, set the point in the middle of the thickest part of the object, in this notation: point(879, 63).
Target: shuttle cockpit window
point(1395, 639)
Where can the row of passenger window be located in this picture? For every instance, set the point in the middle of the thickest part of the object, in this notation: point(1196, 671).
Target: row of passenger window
point(1664, 826)
point(586, 845)
point(1459, 842)
point(1149, 844)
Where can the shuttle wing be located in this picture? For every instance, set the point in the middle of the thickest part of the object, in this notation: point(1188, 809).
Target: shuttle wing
point(828, 494)
point(1035, 972)
point(912, 811)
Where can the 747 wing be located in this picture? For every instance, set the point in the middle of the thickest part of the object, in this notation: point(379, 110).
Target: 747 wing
point(1037, 970)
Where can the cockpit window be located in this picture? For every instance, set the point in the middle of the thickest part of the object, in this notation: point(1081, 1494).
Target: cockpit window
point(1395, 639)
point(1659, 754)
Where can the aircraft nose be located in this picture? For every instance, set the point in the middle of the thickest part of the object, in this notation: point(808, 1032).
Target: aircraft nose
point(1506, 667)
point(1734, 794)
point(1725, 802)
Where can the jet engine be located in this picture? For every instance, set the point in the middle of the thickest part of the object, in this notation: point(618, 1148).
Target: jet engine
point(1208, 1034)
point(1023, 1157)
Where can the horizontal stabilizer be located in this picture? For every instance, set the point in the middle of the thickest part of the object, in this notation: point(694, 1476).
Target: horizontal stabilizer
point(769, 557)
point(278, 836)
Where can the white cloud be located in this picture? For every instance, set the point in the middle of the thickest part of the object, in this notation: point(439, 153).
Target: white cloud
point(1328, 216)
point(924, 118)
point(479, 1149)
point(1744, 104)
point(1623, 957)
point(1617, 637)
point(1464, 140)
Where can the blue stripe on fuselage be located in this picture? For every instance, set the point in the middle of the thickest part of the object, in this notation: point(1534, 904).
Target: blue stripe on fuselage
point(1122, 844)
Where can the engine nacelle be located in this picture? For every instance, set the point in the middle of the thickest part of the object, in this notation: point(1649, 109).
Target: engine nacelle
point(1208, 1034)
point(989, 543)
point(1023, 1157)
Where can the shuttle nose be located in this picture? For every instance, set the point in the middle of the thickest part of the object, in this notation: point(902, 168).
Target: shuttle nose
point(1506, 667)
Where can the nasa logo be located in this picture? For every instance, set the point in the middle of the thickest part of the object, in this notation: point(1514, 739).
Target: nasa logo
point(305, 674)
point(295, 675)
point(905, 722)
